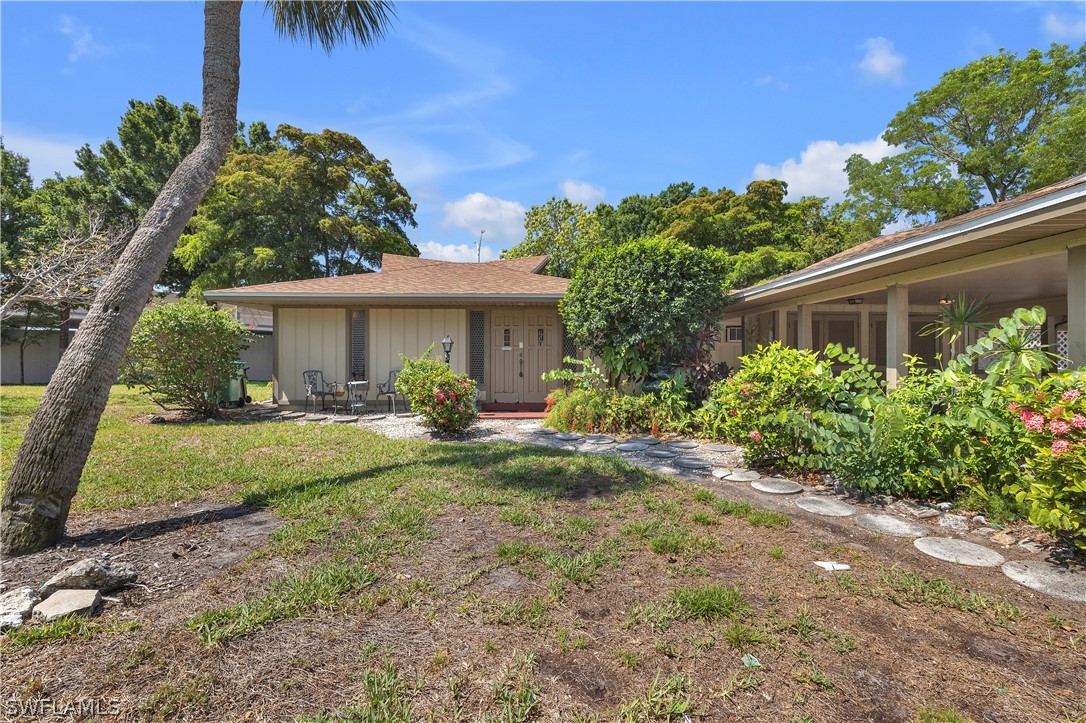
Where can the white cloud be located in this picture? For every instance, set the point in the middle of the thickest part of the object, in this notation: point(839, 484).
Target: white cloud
point(47, 155)
point(880, 63)
point(581, 192)
point(820, 170)
point(1062, 27)
point(456, 252)
point(502, 220)
point(83, 43)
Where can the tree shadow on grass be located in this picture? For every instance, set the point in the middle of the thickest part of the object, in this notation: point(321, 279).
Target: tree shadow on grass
point(155, 528)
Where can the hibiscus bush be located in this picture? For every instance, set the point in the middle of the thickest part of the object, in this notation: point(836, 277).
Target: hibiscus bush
point(445, 399)
point(1052, 415)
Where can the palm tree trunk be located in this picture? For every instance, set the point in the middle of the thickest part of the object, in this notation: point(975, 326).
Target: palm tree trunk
point(50, 461)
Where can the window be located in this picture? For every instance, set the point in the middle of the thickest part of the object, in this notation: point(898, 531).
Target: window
point(539, 335)
point(358, 344)
point(733, 334)
point(478, 347)
point(507, 338)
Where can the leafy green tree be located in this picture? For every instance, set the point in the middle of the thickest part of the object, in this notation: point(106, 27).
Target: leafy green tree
point(181, 355)
point(639, 216)
point(310, 205)
point(984, 128)
point(561, 229)
point(46, 472)
point(632, 303)
point(16, 188)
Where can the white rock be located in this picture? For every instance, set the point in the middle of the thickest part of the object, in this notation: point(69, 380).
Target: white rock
point(63, 603)
point(15, 606)
point(954, 522)
point(91, 574)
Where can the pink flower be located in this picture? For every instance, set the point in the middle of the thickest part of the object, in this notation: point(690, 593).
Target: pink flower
point(1078, 421)
point(440, 397)
point(428, 410)
point(1024, 415)
point(452, 396)
point(1058, 426)
point(1013, 407)
point(1070, 395)
point(1035, 423)
point(756, 436)
point(1060, 446)
point(735, 412)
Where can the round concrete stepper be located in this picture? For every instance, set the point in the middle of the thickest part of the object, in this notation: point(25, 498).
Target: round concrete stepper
point(891, 525)
point(599, 439)
point(568, 437)
point(691, 463)
point(825, 506)
point(683, 444)
point(1047, 578)
point(546, 431)
point(373, 417)
point(773, 486)
point(631, 447)
point(718, 448)
point(661, 453)
point(721, 472)
point(742, 475)
point(958, 551)
point(315, 417)
point(292, 415)
point(529, 426)
point(345, 419)
point(644, 440)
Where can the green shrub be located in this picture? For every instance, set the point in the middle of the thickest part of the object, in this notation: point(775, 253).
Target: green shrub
point(601, 410)
point(181, 354)
point(1052, 422)
point(445, 399)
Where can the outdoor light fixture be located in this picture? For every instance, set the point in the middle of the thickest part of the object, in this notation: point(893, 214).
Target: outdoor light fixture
point(946, 301)
point(447, 344)
point(856, 300)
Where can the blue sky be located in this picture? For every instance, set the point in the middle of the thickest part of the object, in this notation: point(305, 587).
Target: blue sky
point(487, 108)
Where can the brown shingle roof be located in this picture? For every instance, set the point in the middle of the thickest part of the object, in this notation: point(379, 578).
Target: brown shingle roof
point(411, 276)
point(889, 240)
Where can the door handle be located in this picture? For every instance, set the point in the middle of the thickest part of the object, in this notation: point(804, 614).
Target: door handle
point(522, 364)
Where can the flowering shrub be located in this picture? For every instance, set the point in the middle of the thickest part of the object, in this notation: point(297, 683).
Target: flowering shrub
point(445, 399)
point(1052, 415)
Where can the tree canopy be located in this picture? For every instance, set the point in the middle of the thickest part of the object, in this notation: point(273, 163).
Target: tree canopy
point(561, 229)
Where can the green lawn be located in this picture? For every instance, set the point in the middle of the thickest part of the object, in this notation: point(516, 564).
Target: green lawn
point(501, 582)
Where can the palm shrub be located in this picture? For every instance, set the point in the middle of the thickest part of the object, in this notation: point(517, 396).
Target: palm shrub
point(445, 399)
point(601, 410)
point(181, 354)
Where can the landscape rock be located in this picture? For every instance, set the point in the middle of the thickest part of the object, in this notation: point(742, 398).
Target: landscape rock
point(943, 506)
point(63, 603)
point(954, 522)
point(921, 512)
point(91, 574)
point(980, 520)
point(1004, 538)
point(156, 419)
point(15, 606)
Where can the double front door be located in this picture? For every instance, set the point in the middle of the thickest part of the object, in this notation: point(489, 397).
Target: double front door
point(524, 344)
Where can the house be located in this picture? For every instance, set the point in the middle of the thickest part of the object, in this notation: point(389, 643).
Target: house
point(502, 317)
point(878, 296)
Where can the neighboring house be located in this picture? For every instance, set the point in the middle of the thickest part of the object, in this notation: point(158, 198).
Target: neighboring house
point(41, 357)
point(501, 315)
point(877, 296)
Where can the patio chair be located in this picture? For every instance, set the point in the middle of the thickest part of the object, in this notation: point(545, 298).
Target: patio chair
point(388, 389)
point(316, 388)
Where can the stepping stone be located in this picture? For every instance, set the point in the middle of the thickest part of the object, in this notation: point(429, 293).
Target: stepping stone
point(68, 602)
point(1047, 578)
point(775, 486)
point(545, 431)
point(344, 419)
point(292, 415)
point(373, 417)
point(568, 437)
point(891, 525)
point(683, 444)
point(644, 440)
point(631, 447)
point(530, 426)
point(721, 472)
point(406, 415)
point(599, 439)
point(718, 448)
point(825, 506)
point(958, 551)
point(691, 463)
point(743, 475)
point(661, 453)
point(315, 417)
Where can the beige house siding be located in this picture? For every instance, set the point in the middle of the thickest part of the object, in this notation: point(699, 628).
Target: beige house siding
point(392, 332)
point(312, 338)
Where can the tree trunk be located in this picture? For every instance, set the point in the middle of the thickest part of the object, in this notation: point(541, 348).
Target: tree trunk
point(65, 337)
point(50, 461)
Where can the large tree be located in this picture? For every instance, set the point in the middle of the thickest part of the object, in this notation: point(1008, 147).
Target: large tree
point(995, 127)
point(50, 461)
point(563, 230)
point(310, 204)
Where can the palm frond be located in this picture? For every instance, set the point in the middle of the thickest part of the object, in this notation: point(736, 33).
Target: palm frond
point(331, 22)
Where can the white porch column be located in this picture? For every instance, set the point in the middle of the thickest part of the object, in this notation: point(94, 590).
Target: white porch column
point(780, 326)
point(863, 334)
point(1076, 305)
point(897, 332)
point(805, 335)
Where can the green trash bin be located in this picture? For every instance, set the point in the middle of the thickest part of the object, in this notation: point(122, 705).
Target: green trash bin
point(235, 392)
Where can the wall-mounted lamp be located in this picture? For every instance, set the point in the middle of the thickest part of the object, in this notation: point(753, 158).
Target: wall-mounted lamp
point(856, 300)
point(447, 345)
point(946, 301)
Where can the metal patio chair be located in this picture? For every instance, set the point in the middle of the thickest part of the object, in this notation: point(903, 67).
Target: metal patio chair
point(388, 389)
point(316, 388)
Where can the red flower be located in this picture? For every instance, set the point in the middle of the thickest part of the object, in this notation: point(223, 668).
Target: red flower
point(1060, 446)
point(756, 436)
